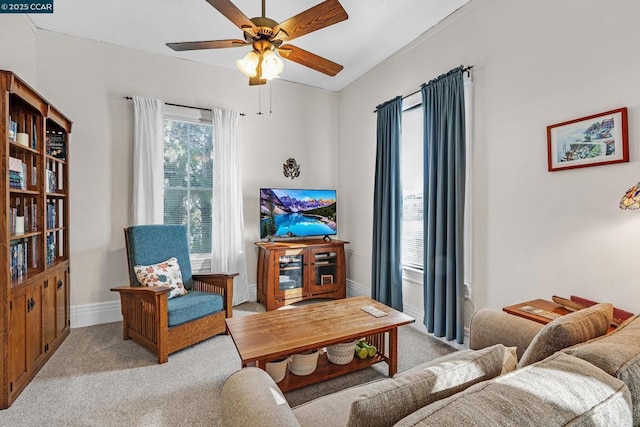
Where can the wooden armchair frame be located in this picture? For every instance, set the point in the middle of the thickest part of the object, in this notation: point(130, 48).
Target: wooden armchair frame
point(145, 317)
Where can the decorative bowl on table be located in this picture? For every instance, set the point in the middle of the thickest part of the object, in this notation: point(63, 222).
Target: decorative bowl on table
point(304, 363)
point(341, 353)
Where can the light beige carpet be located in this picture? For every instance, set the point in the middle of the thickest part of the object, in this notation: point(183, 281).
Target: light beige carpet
point(98, 379)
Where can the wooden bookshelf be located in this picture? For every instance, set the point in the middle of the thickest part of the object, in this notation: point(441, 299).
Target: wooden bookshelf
point(34, 247)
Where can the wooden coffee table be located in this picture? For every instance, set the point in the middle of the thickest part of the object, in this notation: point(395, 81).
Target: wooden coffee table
point(262, 337)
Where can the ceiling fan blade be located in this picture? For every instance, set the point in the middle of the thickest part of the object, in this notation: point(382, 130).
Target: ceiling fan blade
point(233, 14)
point(310, 60)
point(211, 44)
point(322, 15)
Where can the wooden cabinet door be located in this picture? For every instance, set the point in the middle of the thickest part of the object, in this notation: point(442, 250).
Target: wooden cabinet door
point(34, 325)
point(56, 306)
point(62, 302)
point(19, 369)
point(49, 308)
point(26, 334)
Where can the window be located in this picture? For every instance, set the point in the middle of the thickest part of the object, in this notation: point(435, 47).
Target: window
point(188, 177)
point(412, 186)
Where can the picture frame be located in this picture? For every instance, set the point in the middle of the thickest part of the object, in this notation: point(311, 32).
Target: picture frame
point(326, 279)
point(595, 140)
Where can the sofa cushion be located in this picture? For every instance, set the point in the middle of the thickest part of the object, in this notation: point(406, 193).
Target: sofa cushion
point(332, 409)
point(386, 402)
point(619, 355)
point(192, 306)
point(561, 390)
point(565, 331)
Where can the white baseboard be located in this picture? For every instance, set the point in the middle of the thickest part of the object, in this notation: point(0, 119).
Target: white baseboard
point(355, 289)
point(94, 314)
point(253, 292)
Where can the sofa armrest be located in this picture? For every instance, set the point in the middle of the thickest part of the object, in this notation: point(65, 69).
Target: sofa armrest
point(489, 327)
point(251, 398)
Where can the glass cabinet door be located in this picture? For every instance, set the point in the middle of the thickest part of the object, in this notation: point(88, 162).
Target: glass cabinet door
point(325, 269)
point(291, 273)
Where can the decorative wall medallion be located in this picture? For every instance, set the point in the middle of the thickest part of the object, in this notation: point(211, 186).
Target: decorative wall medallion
point(291, 168)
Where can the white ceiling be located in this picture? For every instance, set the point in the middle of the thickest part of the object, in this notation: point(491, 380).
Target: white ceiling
point(374, 31)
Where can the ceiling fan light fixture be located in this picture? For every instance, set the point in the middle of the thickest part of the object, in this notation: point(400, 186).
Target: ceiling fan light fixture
point(265, 35)
point(272, 65)
point(249, 64)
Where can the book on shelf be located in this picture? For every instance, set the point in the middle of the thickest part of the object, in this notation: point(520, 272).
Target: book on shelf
point(56, 145)
point(52, 182)
point(13, 130)
point(34, 216)
point(17, 174)
point(34, 134)
point(51, 248)
point(51, 215)
point(34, 252)
point(19, 225)
point(19, 259)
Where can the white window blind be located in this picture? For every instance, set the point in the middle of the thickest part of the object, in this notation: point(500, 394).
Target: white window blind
point(412, 186)
point(188, 175)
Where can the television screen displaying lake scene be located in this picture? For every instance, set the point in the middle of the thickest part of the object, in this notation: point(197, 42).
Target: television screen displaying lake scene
point(297, 212)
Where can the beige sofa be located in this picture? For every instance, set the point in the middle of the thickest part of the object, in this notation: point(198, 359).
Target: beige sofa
point(578, 386)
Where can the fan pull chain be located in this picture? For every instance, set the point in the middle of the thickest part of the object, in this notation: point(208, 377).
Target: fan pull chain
point(270, 100)
point(259, 100)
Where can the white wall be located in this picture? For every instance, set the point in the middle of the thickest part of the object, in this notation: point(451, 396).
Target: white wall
point(87, 81)
point(18, 47)
point(536, 63)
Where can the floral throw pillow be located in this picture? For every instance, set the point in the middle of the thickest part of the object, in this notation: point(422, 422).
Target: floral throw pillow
point(166, 273)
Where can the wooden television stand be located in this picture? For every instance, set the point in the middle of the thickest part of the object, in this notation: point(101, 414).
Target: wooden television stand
point(293, 271)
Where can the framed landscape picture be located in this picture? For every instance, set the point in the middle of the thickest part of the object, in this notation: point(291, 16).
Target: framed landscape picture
point(595, 140)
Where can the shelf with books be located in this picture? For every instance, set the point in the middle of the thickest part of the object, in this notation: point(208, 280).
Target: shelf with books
point(55, 176)
point(23, 255)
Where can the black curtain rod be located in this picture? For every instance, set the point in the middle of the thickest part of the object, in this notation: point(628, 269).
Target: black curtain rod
point(180, 105)
point(464, 70)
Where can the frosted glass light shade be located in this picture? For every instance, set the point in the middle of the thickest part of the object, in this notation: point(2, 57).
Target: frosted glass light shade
point(272, 65)
point(631, 199)
point(249, 64)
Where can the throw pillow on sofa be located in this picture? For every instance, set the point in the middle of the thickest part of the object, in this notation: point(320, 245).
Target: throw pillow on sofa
point(384, 403)
point(565, 331)
point(618, 354)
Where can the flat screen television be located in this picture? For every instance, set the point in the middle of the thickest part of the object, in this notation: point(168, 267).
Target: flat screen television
point(286, 212)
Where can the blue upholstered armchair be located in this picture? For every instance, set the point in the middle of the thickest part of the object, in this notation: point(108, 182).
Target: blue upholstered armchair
point(165, 325)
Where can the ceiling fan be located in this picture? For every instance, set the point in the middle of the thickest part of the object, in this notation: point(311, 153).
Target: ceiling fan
point(266, 36)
